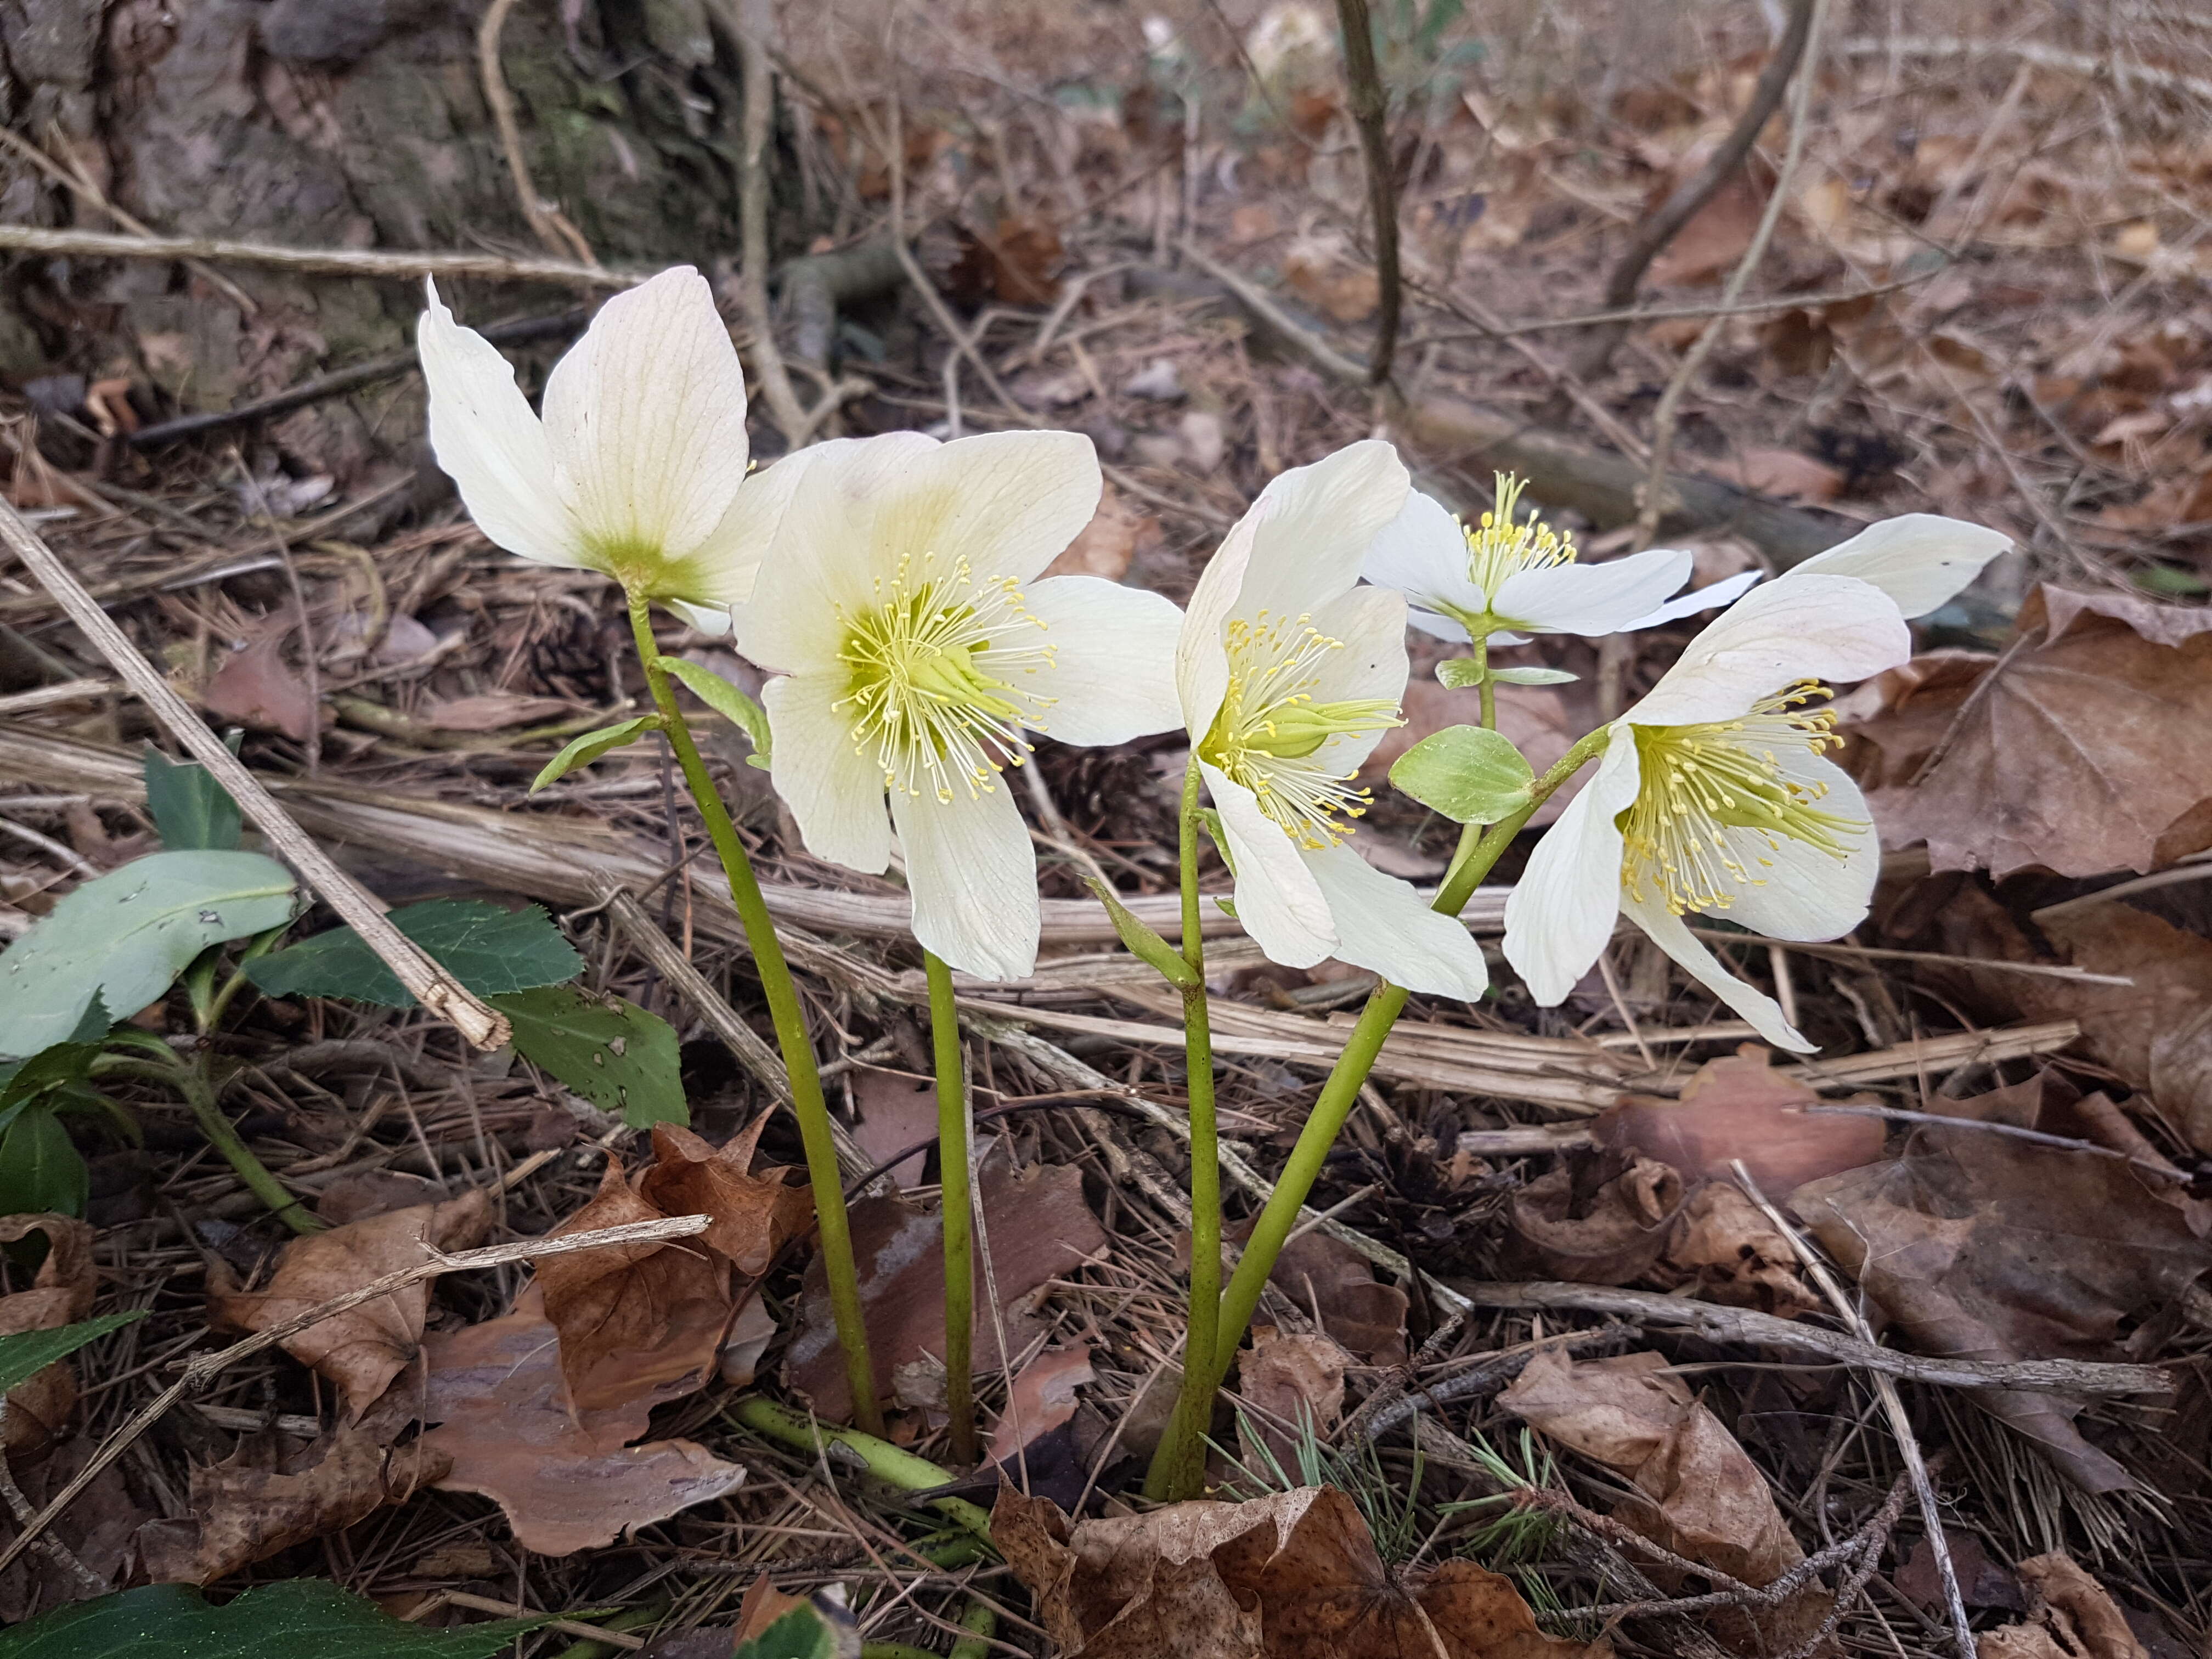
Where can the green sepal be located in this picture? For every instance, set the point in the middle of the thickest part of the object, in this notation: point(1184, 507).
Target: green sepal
point(583, 751)
point(1468, 773)
point(725, 700)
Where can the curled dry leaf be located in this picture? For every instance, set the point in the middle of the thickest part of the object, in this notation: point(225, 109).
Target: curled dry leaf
point(1584, 1227)
point(2075, 1617)
point(1739, 1107)
point(568, 1479)
point(1988, 1247)
point(1327, 1278)
point(1701, 1495)
point(257, 687)
point(363, 1350)
point(1292, 1576)
point(1292, 1385)
point(1723, 1244)
point(62, 1294)
point(1038, 1228)
point(251, 1506)
point(2082, 751)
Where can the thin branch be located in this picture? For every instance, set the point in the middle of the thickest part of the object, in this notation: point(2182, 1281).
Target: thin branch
point(1692, 193)
point(2158, 1167)
point(201, 1371)
point(482, 1025)
point(750, 21)
point(1370, 108)
point(329, 261)
point(552, 228)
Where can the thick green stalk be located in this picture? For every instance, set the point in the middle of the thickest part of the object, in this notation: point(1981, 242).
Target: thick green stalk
point(1183, 1473)
point(790, 1023)
point(887, 1463)
point(189, 1078)
point(981, 1621)
point(1280, 1214)
point(956, 1207)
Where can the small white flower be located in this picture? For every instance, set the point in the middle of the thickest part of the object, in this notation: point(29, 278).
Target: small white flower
point(638, 467)
point(1289, 674)
point(1714, 795)
point(899, 600)
point(1505, 576)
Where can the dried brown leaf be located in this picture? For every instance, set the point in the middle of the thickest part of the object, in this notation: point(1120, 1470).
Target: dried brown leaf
point(256, 687)
point(1612, 1233)
point(363, 1349)
point(2075, 1619)
point(2086, 754)
point(1107, 543)
point(1039, 1227)
point(1784, 474)
point(896, 1111)
point(493, 711)
point(1042, 1397)
point(1326, 1277)
point(61, 1294)
point(568, 1479)
point(1291, 1575)
point(1292, 1385)
point(1739, 1107)
point(1724, 1243)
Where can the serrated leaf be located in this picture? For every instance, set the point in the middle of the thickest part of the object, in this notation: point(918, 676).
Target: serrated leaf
point(1470, 775)
point(725, 699)
point(801, 1633)
point(41, 1171)
point(583, 751)
point(491, 950)
point(297, 1619)
point(1533, 675)
point(1143, 943)
point(24, 1354)
point(190, 809)
point(611, 1052)
point(126, 936)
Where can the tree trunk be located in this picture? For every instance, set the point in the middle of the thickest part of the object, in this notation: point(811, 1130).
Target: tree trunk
point(341, 124)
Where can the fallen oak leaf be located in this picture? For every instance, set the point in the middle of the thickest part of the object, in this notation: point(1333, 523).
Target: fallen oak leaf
point(362, 1349)
point(2074, 1618)
point(1292, 1387)
point(1291, 1575)
point(61, 1294)
point(1738, 1107)
point(1041, 1397)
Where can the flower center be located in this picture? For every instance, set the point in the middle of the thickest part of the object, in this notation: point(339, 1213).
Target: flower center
point(1700, 782)
point(1270, 729)
point(936, 662)
point(1502, 545)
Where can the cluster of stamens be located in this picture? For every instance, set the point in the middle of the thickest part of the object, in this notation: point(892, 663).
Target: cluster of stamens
point(1500, 544)
point(1270, 729)
point(1701, 782)
point(935, 660)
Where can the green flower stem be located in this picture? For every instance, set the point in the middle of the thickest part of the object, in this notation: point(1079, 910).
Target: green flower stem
point(1280, 1214)
point(885, 1461)
point(189, 1078)
point(1486, 688)
point(790, 1021)
point(956, 1207)
point(1185, 1477)
point(981, 1621)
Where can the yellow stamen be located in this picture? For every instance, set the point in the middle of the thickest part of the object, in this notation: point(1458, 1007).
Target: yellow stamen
point(1700, 781)
point(1502, 545)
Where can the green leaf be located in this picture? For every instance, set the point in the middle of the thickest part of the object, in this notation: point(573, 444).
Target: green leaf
point(1209, 820)
point(490, 950)
point(1142, 942)
point(805, 1633)
point(126, 936)
point(725, 700)
point(41, 1171)
point(1533, 675)
point(1459, 673)
point(1469, 775)
point(297, 1619)
point(582, 752)
point(24, 1354)
point(192, 811)
point(613, 1053)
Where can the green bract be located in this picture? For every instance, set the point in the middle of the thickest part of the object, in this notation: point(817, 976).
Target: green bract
point(725, 700)
point(127, 935)
point(1470, 775)
point(1533, 675)
point(583, 751)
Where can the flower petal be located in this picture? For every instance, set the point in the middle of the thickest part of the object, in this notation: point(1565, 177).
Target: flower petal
point(646, 418)
point(820, 557)
point(1423, 553)
point(1369, 623)
point(1827, 628)
point(1382, 924)
point(1591, 599)
point(720, 571)
point(834, 792)
point(1278, 902)
point(1316, 524)
point(1921, 560)
point(1708, 597)
point(1561, 912)
point(1807, 893)
point(1673, 935)
point(489, 442)
point(1113, 671)
point(1442, 627)
point(973, 874)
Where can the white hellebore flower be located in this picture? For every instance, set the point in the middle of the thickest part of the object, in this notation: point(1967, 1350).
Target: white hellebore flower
point(1714, 794)
point(1505, 575)
point(638, 467)
point(899, 598)
point(1289, 674)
